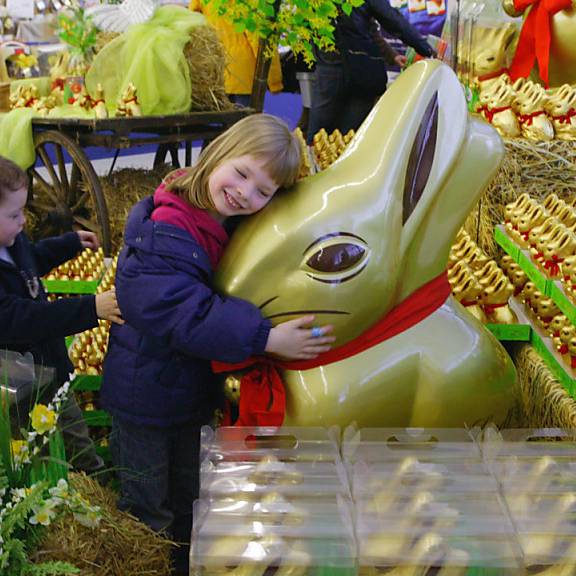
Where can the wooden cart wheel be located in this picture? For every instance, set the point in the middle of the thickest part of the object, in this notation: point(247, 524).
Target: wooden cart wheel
point(64, 198)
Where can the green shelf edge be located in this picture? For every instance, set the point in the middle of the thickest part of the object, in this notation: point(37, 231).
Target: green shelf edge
point(511, 332)
point(87, 383)
point(505, 242)
point(97, 418)
point(557, 294)
point(70, 286)
point(568, 383)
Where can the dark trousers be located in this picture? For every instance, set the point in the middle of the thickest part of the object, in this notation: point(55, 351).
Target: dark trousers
point(335, 105)
point(159, 474)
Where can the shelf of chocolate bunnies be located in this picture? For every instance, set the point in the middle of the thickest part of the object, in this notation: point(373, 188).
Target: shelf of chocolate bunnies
point(548, 286)
point(81, 275)
point(544, 345)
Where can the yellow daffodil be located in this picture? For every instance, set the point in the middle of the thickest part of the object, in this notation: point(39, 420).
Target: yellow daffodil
point(19, 449)
point(43, 419)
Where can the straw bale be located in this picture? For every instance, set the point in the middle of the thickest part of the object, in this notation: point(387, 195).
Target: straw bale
point(120, 546)
point(539, 168)
point(124, 188)
point(546, 403)
point(206, 60)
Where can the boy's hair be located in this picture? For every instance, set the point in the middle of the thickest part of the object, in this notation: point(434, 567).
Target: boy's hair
point(12, 177)
point(262, 136)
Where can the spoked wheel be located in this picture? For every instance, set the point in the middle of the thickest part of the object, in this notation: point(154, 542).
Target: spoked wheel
point(66, 198)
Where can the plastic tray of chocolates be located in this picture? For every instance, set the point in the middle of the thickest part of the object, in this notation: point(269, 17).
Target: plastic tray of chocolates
point(389, 444)
point(405, 477)
point(253, 444)
point(256, 553)
point(80, 275)
point(329, 523)
point(88, 350)
point(436, 554)
point(276, 507)
point(427, 504)
point(271, 471)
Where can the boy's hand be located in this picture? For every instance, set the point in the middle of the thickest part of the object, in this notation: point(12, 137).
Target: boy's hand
point(107, 307)
point(293, 340)
point(88, 239)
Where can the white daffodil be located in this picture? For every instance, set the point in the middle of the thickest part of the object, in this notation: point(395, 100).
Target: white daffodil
point(44, 513)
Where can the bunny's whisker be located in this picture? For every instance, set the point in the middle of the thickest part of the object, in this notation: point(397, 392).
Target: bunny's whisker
point(266, 302)
point(303, 312)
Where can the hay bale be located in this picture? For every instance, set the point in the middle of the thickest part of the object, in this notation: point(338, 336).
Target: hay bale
point(124, 188)
point(206, 59)
point(546, 403)
point(121, 546)
point(539, 168)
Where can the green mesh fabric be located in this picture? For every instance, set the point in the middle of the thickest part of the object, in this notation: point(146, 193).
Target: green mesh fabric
point(16, 139)
point(151, 56)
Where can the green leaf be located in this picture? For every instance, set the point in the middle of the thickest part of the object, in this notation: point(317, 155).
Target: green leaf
point(347, 9)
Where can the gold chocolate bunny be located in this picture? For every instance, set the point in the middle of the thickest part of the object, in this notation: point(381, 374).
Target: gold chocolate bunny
point(358, 239)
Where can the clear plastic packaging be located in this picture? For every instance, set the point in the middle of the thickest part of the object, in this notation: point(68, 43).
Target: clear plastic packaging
point(385, 444)
point(426, 504)
point(254, 555)
point(412, 474)
point(271, 471)
point(285, 444)
point(439, 554)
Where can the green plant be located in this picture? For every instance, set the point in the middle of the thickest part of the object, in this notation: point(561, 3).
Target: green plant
point(76, 29)
point(299, 24)
point(34, 489)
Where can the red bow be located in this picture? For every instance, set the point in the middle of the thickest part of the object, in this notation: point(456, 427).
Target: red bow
point(528, 119)
point(565, 118)
point(490, 308)
point(491, 112)
point(552, 266)
point(262, 394)
point(534, 41)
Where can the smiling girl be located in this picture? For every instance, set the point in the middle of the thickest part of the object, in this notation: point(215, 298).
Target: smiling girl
point(157, 383)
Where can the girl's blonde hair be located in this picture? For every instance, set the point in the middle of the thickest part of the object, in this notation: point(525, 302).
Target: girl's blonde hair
point(262, 136)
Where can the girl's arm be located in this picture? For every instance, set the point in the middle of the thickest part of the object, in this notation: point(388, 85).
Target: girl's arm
point(164, 301)
point(27, 321)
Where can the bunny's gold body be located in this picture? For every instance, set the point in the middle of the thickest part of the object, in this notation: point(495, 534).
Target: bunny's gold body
point(354, 241)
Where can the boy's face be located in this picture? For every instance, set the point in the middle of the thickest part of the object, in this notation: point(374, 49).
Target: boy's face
point(12, 218)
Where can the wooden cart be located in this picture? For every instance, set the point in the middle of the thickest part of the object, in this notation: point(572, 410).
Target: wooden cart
point(73, 198)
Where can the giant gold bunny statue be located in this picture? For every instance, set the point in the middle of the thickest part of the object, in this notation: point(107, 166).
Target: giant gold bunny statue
point(352, 242)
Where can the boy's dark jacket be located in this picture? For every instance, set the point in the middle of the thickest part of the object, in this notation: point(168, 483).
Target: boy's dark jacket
point(34, 324)
point(157, 369)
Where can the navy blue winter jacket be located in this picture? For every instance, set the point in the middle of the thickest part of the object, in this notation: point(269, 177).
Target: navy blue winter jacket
point(28, 322)
point(157, 369)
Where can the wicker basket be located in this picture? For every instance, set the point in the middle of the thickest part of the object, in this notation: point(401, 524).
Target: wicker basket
point(4, 96)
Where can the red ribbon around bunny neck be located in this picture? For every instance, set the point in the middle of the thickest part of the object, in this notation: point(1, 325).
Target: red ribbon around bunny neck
point(262, 394)
point(534, 41)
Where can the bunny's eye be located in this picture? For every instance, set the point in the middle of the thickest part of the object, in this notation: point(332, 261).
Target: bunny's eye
point(336, 259)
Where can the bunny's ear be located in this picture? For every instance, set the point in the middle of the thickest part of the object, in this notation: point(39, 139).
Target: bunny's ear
point(421, 158)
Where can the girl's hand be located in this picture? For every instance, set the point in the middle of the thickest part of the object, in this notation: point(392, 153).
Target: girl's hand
point(107, 307)
point(88, 239)
point(294, 340)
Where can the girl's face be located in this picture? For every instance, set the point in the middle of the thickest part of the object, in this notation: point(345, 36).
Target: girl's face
point(12, 218)
point(240, 186)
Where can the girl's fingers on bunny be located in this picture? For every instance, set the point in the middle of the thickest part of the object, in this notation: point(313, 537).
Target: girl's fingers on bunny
point(301, 322)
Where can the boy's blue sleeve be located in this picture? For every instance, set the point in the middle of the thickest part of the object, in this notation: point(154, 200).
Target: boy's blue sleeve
point(52, 252)
point(26, 321)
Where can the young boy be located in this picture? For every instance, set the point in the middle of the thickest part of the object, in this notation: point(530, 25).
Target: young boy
point(29, 323)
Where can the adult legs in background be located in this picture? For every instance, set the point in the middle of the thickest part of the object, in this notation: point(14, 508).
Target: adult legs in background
point(328, 101)
point(354, 112)
point(241, 99)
